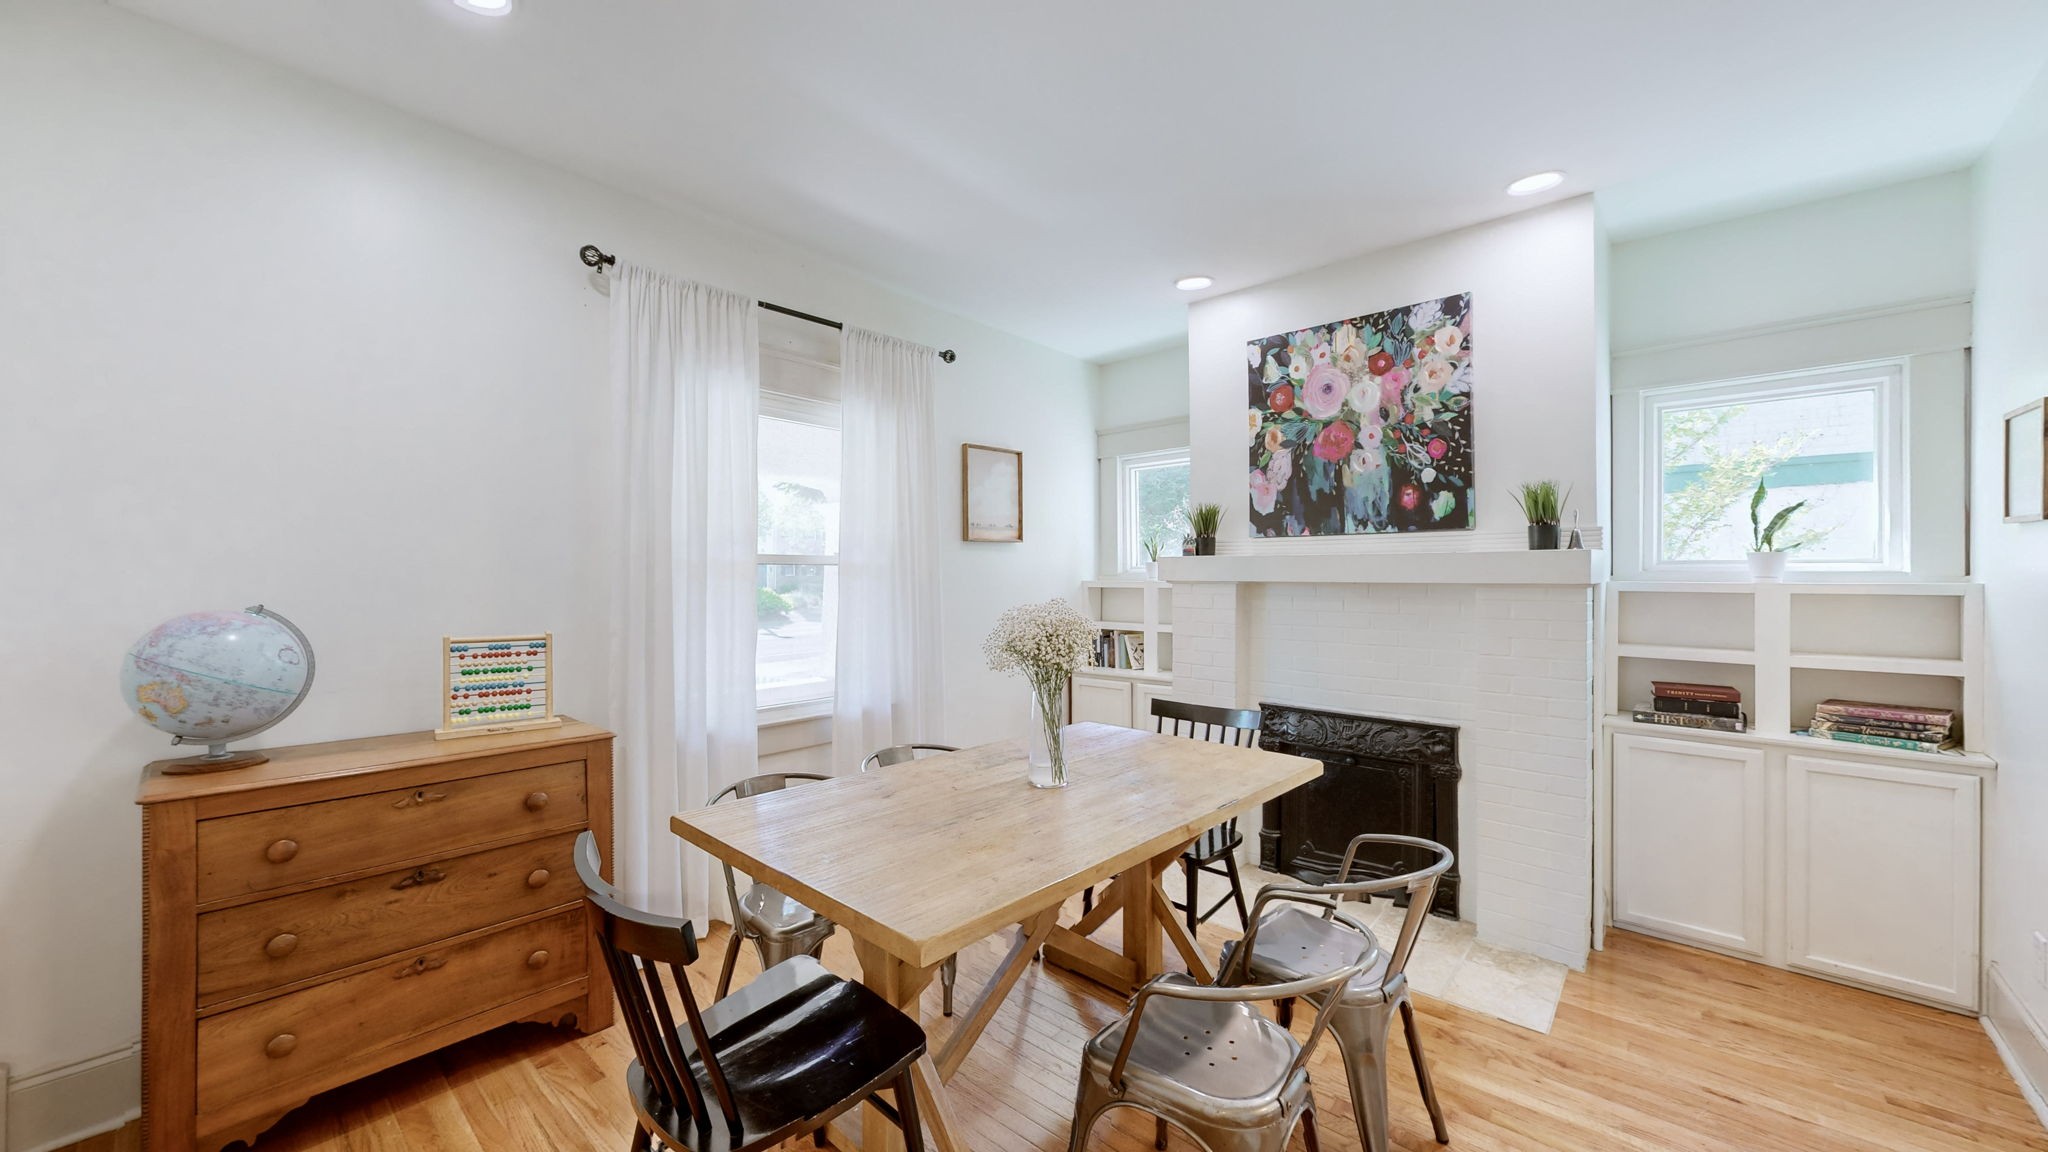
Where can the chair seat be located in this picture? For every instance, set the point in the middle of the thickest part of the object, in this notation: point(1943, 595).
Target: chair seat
point(1200, 1056)
point(1214, 845)
point(1294, 943)
point(794, 1043)
point(769, 913)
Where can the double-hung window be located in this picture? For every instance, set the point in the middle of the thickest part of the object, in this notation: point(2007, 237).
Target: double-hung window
point(1831, 440)
point(796, 551)
point(1152, 497)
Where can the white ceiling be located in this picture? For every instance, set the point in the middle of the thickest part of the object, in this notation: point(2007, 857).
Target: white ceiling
point(1051, 167)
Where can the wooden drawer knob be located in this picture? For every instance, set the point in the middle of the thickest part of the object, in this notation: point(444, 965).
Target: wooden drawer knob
point(538, 959)
point(537, 878)
point(281, 1045)
point(281, 851)
point(535, 801)
point(281, 945)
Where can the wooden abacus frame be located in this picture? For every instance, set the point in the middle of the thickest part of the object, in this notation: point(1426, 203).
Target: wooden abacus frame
point(448, 729)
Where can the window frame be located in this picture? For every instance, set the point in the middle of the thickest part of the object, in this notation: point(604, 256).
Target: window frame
point(1129, 550)
point(817, 413)
point(1887, 378)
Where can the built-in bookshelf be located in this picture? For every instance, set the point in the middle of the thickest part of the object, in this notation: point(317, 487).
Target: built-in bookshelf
point(1789, 646)
point(1135, 620)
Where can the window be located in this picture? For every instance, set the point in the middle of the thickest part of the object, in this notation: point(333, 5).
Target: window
point(796, 551)
point(1833, 439)
point(1152, 502)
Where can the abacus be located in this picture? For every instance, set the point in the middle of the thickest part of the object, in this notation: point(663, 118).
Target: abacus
point(493, 684)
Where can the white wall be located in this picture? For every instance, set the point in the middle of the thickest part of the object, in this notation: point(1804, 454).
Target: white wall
point(1141, 405)
point(249, 320)
point(1537, 396)
point(2010, 367)
point(1879, 248)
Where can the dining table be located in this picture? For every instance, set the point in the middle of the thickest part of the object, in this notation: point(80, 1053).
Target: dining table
point(923, 858)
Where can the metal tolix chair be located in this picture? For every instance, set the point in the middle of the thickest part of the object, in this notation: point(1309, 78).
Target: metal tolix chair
point(1202, 1057)
point(779, 926)
point(1284, 943)
point(949, 972)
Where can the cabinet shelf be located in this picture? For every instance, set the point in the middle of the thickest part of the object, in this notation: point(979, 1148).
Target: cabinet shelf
point(1902, 665)
point(1957, 761)
point(1685, 652)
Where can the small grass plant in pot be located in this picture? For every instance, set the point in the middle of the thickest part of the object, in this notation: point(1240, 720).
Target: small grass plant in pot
point(1151, 546)
point(1766, 556)
point(1543, 508)
point(1205, 519)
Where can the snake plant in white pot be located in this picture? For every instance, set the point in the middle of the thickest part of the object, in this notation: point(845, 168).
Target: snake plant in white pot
point(1766, 558)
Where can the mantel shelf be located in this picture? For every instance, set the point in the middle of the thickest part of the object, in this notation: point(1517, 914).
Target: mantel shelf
point(1580, 567)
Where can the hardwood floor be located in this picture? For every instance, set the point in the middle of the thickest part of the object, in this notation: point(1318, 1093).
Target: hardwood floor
point(1655, 1046)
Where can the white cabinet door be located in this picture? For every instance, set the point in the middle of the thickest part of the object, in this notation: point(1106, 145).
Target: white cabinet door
point(1142, 695)
point(1102, 700)
point(1881, 876)
point(1689, 841)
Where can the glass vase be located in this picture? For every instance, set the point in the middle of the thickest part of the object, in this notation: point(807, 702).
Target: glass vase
point(1045, 750)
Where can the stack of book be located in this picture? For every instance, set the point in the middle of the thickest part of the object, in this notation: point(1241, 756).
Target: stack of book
point(1905, 726)
point(1120, 650)
point(1717, 707)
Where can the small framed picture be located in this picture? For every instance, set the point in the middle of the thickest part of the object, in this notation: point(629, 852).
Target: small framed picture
point(991, 493)
point(2026, 452)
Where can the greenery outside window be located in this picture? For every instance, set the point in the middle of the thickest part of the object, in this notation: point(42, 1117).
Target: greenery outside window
point(796, 551)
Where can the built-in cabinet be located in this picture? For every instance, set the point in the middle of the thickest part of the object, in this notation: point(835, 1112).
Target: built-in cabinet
point(1861, 865)
point(1136, 609)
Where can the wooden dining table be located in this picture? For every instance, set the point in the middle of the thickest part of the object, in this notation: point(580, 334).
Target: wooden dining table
point(921, 859)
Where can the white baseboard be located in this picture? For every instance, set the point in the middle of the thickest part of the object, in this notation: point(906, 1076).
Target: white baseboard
point(66, 1104)
point(2020, 1041)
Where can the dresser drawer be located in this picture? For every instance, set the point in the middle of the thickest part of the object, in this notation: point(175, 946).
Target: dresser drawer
point(317, 1034)
point(259, 851)
point(251, 947)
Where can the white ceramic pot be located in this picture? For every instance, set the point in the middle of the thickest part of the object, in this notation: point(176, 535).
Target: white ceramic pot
point(1768, 565)
point(1152, 570)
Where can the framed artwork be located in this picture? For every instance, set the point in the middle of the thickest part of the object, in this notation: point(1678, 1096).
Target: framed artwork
point(991, 493)
point(1364, 425)
point(2026, 452)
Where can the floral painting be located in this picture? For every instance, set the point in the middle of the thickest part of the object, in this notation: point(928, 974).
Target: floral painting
point(1364, 425)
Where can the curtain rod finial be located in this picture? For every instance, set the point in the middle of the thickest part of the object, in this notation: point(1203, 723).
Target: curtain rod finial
point(593, 258)
point(947, 356)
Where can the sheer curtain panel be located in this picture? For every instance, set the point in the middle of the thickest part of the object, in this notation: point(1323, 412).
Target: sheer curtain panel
point(685, 376)
point(888, 665)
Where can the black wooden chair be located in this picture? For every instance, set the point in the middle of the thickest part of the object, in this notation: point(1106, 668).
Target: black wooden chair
point(1216, 852)
point(776, 1060)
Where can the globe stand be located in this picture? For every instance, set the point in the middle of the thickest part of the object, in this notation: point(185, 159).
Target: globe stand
point(217, 759)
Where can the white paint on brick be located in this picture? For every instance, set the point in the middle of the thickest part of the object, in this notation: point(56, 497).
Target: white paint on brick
point(1510, 666)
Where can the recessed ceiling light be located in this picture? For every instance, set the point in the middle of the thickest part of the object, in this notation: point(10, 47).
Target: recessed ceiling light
point(1193, 283)
point(485, 7)
point(1540, 182)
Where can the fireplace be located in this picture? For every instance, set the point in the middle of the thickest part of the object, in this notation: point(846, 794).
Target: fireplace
point(1379, 775)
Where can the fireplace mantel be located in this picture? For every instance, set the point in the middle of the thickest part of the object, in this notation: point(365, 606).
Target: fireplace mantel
point(1580, 567)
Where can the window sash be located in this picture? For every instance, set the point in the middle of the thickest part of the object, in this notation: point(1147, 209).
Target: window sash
point(813, 698)
point(1129, 549)
point(1885, 379)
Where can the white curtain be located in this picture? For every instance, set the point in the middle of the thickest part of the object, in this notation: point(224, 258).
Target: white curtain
point(888, 676)
point(685, 370)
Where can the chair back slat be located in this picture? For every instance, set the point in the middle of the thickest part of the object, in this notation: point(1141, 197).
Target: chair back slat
point(636, 945)
point(901, 754)
point(1237, 727)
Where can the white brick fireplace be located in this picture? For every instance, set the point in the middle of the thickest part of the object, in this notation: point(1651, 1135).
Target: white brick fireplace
point(1499, 644)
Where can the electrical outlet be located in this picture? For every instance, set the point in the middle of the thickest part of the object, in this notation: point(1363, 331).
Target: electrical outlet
point(2041, 959)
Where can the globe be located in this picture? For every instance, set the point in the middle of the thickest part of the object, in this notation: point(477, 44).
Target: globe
point(212, 677)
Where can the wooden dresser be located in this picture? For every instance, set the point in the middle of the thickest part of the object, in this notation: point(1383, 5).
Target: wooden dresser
point(352, 905)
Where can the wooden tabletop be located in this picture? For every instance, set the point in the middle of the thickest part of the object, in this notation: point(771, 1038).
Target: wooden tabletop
point(925, 857)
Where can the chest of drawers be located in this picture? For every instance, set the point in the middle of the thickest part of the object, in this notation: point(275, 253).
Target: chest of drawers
point(349, 906)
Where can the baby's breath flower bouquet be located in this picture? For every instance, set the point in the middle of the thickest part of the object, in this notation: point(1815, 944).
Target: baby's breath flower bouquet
point(1044, 643)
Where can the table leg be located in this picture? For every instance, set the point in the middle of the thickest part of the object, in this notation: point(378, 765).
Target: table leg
point(901, 984)
point(968, 1027)
point(1143, 955)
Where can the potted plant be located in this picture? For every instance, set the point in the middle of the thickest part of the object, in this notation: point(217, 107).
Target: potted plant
point(1766, 556)
point(1151, 547)
point(1044, 643)
point(1205, 519)
point(1543, 508)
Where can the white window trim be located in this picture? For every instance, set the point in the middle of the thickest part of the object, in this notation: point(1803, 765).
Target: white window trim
point(822, 414)
point(1127, 543)
point(1892, 461)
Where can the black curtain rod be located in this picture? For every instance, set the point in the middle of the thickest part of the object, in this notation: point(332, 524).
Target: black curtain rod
point(594, 258)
